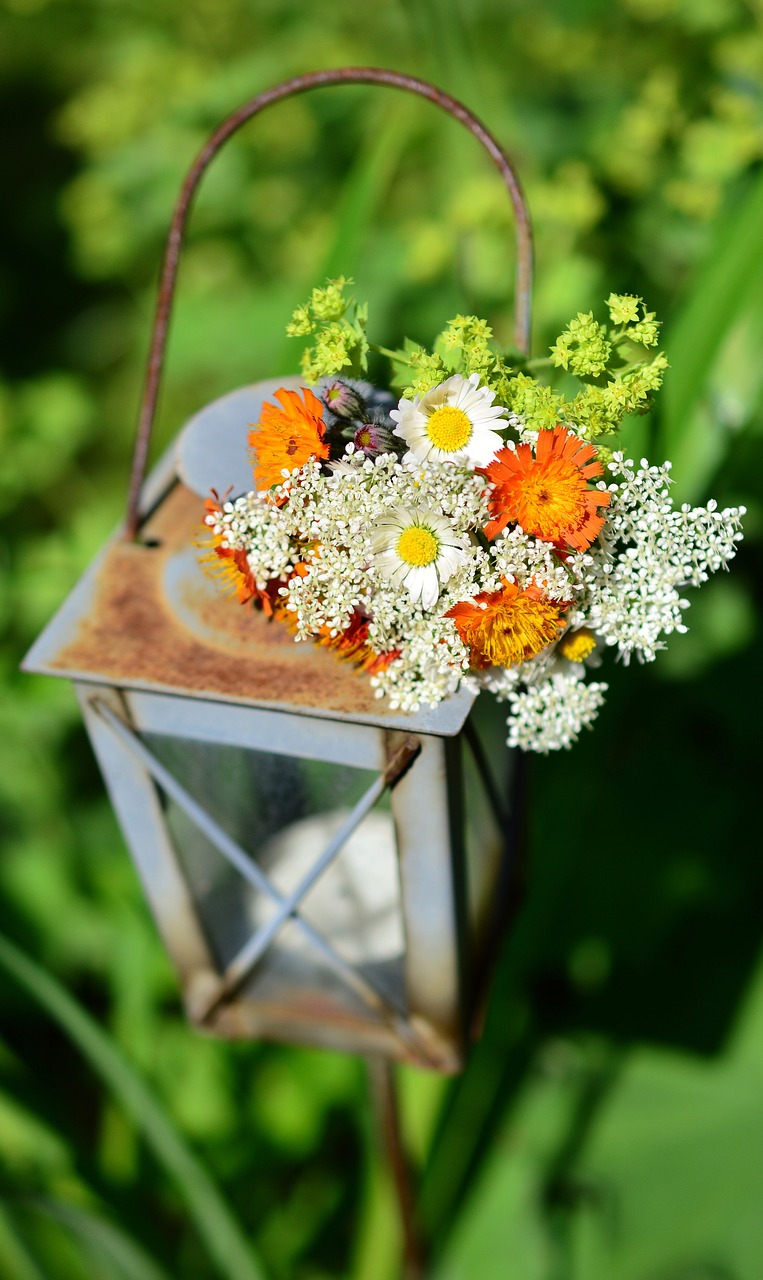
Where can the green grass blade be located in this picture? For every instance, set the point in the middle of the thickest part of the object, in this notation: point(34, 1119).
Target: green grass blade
point(441, 32)
point(731, 276)
point(362, 194)
point(215, 1224)
point(16, 1263)
point(102, 1238)
point(365, 187)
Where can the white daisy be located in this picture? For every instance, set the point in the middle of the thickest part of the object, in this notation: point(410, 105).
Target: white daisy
point(418, 549)
point(451, 423)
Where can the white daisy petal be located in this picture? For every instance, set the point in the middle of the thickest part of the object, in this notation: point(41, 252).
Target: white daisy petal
point(430, 590)
point(419, 549)
point(451, 423)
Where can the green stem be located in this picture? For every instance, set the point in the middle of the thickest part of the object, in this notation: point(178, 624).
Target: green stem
point(397, 356)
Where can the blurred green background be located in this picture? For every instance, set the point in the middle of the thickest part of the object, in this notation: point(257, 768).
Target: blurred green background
point(610, 1124)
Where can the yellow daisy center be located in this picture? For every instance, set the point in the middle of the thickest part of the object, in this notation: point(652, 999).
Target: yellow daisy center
point(417, 545)
point(577, 645)
point(449, 429)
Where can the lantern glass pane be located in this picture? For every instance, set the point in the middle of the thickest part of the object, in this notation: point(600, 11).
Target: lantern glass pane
point(283, 811)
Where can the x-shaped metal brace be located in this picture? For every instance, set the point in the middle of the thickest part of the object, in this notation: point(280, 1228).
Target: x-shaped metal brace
point(380, 1002)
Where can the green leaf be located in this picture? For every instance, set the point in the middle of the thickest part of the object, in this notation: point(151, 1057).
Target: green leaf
point(470, 1116)
point(674, 1172)
point(15, 1260)
point(365, 187)
point(689, 434)
point(101, 1238)
point(213, 1220)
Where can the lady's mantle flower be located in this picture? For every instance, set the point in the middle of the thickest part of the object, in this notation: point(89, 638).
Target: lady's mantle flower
point(583, 347)
point(504, 627)
point(450, 423)
point(285, 439)
point(548, 494)
point(418, 549)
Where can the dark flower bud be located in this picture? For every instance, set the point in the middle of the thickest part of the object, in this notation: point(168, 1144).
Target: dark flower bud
point(342, 400)
point(372, 439)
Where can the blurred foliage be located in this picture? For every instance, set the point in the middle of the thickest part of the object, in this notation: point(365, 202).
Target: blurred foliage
point(610, 1122)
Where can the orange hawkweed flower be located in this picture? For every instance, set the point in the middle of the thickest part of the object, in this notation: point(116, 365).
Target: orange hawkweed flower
point(287, 437)
point(231, 565)
point(352, 646)
point(548, 494)
point(504, 627)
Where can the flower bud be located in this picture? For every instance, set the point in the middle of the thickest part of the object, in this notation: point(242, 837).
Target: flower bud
point(372, 439)
point(342, 400)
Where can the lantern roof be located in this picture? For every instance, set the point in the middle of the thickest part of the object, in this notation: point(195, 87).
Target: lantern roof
point(146, 616)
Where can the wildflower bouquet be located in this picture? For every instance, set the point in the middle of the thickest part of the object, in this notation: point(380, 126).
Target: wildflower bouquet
point(477, 527)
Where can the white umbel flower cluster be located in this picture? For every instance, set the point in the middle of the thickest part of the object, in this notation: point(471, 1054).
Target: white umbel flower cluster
point(548, 716)
point(630, 581)
point(386, 548)
point(332, 523)
point(252, 524)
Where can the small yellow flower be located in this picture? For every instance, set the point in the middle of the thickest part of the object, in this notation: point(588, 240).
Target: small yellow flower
point(575, 646)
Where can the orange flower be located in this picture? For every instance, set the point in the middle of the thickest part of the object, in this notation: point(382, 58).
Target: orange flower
point(504, 627)
point(287, 437)
point(352, 646)
point(548, 494)
point(228, 563)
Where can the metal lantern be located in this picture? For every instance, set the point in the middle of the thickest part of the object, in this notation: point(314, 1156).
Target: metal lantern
point(321, 869)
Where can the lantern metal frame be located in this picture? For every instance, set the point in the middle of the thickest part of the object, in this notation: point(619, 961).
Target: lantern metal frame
point(106, 638)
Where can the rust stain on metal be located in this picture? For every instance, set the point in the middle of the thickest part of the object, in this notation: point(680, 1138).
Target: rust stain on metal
point(132, 635)
point(321, 1021)
point(402, 758)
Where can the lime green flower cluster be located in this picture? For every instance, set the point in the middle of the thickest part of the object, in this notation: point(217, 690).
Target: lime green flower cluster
point(583, 347)
point(464, 347)
point(620, 357)
point(616, 364)
point(339, 326)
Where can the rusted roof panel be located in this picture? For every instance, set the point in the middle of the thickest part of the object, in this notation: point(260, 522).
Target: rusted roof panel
point(146, 616)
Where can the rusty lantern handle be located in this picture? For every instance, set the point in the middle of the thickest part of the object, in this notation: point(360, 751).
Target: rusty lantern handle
point(300, 84)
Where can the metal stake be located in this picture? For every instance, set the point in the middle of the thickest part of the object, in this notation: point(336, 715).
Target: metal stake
point(387, 1117)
